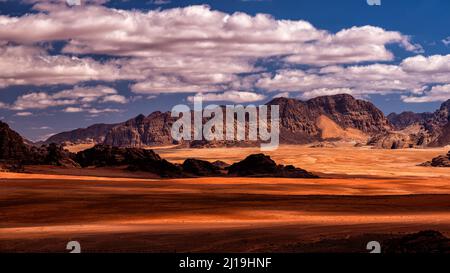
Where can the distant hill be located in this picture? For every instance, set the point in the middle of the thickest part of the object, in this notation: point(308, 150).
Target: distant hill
point(406, 119)
point(421, 129)
point(93, 134)
point(154, 129)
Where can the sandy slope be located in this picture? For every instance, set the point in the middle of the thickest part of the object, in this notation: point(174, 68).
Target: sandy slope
point(363, 191)
point(331, 130)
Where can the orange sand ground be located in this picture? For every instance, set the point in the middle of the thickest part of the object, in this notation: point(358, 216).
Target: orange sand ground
point(361, 191)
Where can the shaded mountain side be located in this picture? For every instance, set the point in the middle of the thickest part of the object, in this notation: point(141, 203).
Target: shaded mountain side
point(12, 146)
point(93, 134)
point(438, 126)
point(444, 137)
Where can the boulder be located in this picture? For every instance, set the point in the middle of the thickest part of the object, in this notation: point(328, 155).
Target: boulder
point(260, 165)
point(200, 167)
point(440, 161)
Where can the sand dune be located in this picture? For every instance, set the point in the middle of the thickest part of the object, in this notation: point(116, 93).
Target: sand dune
point(330, 130)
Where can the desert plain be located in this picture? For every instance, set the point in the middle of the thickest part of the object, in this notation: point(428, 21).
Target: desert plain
point(362, 194)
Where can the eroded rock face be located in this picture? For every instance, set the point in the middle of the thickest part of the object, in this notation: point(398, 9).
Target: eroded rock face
point(425, 129)
point(298, 119)
point(142, 131)
point(392, 140)
point(200, 167)
point(440, 161)
point(349, 112)
point(260, 165)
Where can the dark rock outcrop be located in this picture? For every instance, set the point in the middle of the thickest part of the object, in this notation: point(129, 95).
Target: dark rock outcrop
point(426, 242)
point(200, 168)
point(440, 161)
point(52, 154)
point(134, 158)
point(260, 165)
point(220, 164)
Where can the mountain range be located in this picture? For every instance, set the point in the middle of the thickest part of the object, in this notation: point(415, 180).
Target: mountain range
point(326, 118)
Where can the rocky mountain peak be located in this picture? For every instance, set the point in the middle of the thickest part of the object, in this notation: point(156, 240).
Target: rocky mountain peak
point(12, 145)
point(445, 106)
point(139, 118)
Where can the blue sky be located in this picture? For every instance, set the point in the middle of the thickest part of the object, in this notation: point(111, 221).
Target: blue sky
point(395, 55)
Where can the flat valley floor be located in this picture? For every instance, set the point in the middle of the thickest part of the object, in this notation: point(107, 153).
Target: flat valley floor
point(363, 194)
